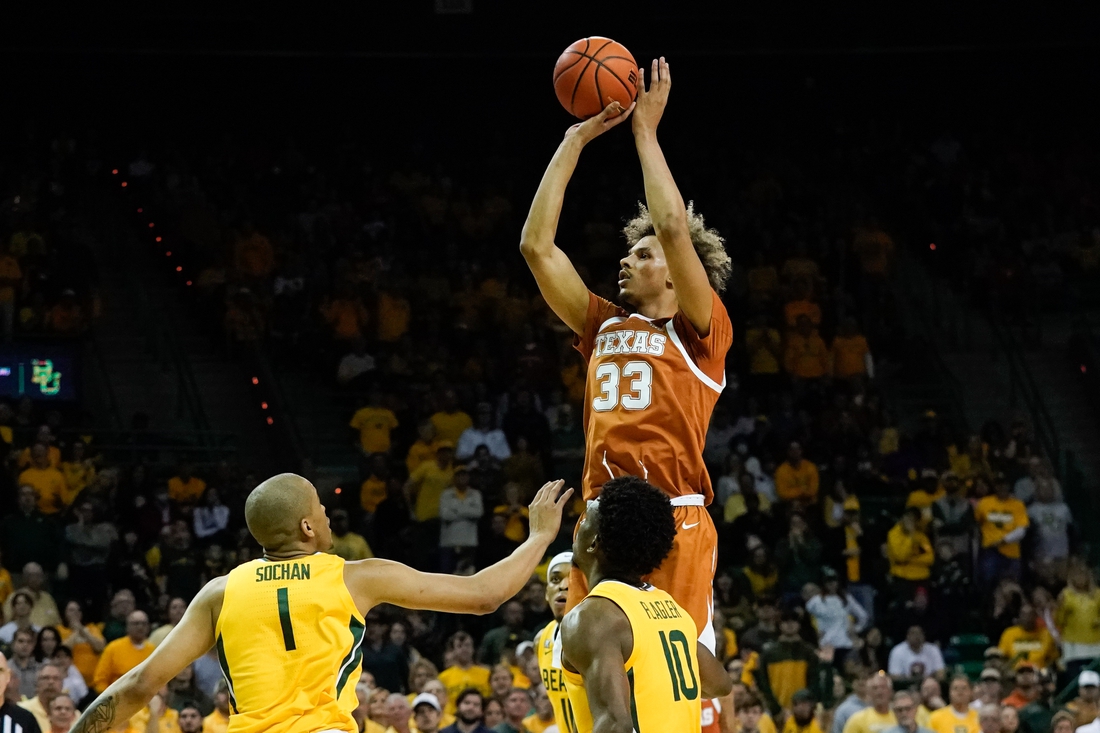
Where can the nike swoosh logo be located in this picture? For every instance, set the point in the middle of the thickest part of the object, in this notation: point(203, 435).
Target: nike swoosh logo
point(685, 525)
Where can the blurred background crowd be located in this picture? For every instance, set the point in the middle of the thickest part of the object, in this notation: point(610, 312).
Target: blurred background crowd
point(884, 559)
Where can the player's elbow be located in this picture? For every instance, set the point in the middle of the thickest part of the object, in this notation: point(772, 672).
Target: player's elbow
point(609, 723)
point(720, 686)
point(669, 224)
point(532, 247)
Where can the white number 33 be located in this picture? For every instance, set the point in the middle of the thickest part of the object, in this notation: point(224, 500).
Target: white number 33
point(609, 377)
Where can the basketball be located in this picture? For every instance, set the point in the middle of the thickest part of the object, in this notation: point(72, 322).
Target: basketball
point(592, 73)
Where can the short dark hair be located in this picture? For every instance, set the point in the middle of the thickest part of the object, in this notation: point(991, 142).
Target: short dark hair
point(750, 700)
point(636, 527)
point(28, 632)
point(192, 705)
point(466, 693)
point(457, 637)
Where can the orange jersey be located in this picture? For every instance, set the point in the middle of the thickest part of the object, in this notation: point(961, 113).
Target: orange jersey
point(709, 716)
point(651, 387)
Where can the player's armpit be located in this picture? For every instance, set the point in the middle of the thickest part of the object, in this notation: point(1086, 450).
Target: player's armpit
point(596, 642)
point(560, 284)
point(716, 681)
point(190, 639)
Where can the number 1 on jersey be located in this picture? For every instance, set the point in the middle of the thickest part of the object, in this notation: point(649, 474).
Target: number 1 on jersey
point(284, 619)
point(641, 387)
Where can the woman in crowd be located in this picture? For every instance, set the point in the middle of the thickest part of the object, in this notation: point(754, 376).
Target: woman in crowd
point(838, 616)
point(48, 641)
point(494, 713)
point(420, 672)
point(399, 637)
point(22, 603)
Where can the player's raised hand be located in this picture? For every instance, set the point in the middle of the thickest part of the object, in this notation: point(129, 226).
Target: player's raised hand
point(650, 105)
point(613, 114)
point(546, 508)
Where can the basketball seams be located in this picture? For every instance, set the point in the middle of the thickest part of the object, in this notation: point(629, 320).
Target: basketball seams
point(577, 85)
point(590, 55)
point(587, 43)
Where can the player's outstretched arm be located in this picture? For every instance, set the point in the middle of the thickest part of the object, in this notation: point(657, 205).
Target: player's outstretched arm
point(558, 280)
point(372, 582)
point(192, 637)
point(596, 642)
point(666, 205)
point(716, 680)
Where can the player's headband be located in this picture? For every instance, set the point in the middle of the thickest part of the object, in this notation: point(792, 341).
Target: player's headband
point(561, 558)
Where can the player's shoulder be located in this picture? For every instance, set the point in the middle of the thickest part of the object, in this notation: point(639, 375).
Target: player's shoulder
point(601, 309)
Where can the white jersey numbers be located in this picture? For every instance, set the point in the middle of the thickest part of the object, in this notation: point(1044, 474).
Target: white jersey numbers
point(639, 394)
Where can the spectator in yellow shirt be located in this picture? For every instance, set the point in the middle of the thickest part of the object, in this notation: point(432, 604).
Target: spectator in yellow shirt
point(185, 488)
point(424, 448)
point(427, 482)
point(372, 491)
point(48, 482)
point(1028, 641)
point(45, 437)
point(806, 356)
point(796, 479)
point(393, 314)
point(6, 586)
point(79, 470)
point(908, 548)
point(957, 716)
point(463, 673)
point(879, 715)
point(374, 423)
point(1003, 521)
point(802, 718)
point(1078, 618)
point(345, 543)
point(927, 493)
point(451, 421)
point(166, 719)
point(122, 655)
point(764, 348)
point(851, 355)
point(218, 721)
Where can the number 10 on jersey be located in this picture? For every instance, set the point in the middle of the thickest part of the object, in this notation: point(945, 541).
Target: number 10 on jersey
point(639, 393)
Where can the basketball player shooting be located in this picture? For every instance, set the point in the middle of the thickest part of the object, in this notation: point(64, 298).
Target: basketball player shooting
point(655, 371)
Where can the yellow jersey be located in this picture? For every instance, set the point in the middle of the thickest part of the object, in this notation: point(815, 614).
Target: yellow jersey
point(552, 678)
point(663, 668)
point(456, 679)
point(948, 720)
point(1078, 616)
point(289, 640)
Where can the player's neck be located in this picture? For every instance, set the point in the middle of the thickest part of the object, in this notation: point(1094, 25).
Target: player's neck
point(288, 553)
point(598, 576)
point(660, 308)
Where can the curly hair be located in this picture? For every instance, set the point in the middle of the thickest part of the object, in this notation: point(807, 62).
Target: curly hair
point(636, 527)
point(709, 244)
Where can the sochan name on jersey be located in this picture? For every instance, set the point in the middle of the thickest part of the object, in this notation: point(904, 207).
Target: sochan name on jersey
point(283, 571)
point(629, 342)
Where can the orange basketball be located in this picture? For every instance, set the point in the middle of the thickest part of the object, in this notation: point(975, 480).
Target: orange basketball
point(592, 73)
